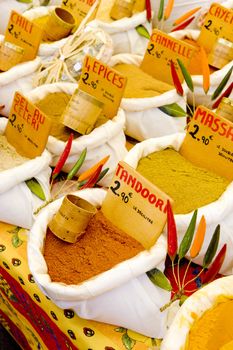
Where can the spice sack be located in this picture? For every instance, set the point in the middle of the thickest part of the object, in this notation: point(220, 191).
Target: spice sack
point(106, 139)
point(124, 35)
point(18, 78)
point(17, 202)
point(215, 77)
point(123, 295)
point(144, 119)
point(216, 212)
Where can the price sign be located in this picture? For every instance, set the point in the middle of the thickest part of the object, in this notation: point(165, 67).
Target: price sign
point(27, 128)
point(104, 83)
point(22, 32)
point(135, 205)
point(79, 8)
point(218, 24)
point(162, 48)
point(209, 142)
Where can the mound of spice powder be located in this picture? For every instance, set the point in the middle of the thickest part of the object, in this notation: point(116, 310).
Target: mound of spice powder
point(189, 186)
point(140, 84)
point(10, 158)
point(101, 247)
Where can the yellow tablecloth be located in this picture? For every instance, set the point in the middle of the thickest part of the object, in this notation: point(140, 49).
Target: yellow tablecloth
point(35, 322)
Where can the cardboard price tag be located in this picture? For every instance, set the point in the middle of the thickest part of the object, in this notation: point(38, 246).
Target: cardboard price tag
point(162, 48)
point(27, 128)
point(135, 205)
point(209, 142)
point(79, 8)
point(22, 32)
point(218, 24)
point(103, 83)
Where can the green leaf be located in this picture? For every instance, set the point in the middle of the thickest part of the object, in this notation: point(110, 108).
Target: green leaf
point(128, 342)
point(212, 248)
point(16, 241)
point(25, 1)
point(182, 299)
point(120, 329)
point(223, 83)
point(35, 188)
point(143, 31)
point(186, 75)
point(173, 110)
point(159, 279)
point(161, 8)
point(188, 237)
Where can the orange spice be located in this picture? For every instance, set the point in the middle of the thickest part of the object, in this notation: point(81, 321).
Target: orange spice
point(195, 66)
point(101, 247)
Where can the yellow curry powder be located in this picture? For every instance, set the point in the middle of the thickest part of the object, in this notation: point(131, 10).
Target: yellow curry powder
point(53, 105)
point(213, 330)
point(191, 187)
point(141, 84)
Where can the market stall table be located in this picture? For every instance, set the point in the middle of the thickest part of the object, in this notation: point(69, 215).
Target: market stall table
point(35, 322)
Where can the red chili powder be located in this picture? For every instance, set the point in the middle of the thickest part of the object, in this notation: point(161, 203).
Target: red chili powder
point(101, 247)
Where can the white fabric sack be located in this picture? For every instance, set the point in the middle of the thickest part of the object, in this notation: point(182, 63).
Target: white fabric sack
point(218, 212)
point(19, 78)
point(215, 78)
point(107, 139)
point(122, 296)
point(45, 49)
point(181, 7)
point(124, 35)
point(17, 203)
point(144, 119)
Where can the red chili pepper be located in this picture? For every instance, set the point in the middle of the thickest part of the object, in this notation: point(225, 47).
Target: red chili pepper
point(172, 245)
point(215, 266)
point(184, 24)
point(63, 157)
point(226, 93)
point(148, 10)
point(93, 179)
point(176, 80)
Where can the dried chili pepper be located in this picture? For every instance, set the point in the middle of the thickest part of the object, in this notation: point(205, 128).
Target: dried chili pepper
point(186, 75)
point(93, 179)
point(205, 70)
point(172, 244)
point(226, 93)
point(63, 157)
point(161, 8)
point(215, 266)
point(176, 80)
point(77, 165)
point(185, 16)
point(88, 173)
point(212, 248)
point(148, 10)
point(183, 25)
point(168, 9)
point(198, 239)
point(222, 84)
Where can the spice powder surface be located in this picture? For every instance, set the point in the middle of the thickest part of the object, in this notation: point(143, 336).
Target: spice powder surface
point(101, 247)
